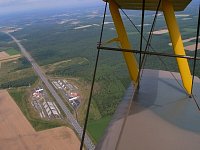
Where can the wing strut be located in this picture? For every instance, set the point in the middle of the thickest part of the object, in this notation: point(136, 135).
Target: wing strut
point(177, 44)
point(93, 80)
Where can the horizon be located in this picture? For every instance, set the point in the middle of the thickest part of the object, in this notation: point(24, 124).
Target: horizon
point(10, 7)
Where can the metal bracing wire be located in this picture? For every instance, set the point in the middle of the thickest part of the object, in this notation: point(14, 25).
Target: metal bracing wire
point(148, 53)
point(141, 42)
point(93, 79)
point(195, 55)
point(142, 60)
point(165, 65)
point(150, 37)
point(169, 55)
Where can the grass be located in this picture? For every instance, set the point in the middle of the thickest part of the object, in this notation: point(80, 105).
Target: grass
point(9, 71)
point(63, 64)
point(97, 128)
point(21, 98)
point(12, 51)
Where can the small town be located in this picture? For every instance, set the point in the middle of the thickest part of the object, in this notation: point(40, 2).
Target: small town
point(43, 105)
point(70, 92)
point(46, 107)
point(100, 75)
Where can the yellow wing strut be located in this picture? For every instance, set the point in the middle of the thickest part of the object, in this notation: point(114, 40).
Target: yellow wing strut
point(124, 42)
point(168, 10)
point(177, 44)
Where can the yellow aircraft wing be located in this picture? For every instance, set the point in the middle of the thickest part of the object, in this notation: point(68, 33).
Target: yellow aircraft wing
point(178, 5)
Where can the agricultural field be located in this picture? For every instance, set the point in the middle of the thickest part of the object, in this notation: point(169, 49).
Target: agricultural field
point(12, 51)
point(16, 73)
point(101, 124)
point(21, 97)
point(4, 55)
point(9, 54)
point(16, 124)
point(65, 47)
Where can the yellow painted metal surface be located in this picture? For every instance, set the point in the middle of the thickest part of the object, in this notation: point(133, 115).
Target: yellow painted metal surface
point(123, 39)
point(178, 5)
point(177, 44)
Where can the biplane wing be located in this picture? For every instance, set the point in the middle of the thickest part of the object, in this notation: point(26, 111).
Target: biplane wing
point(178, 5)
point(158, 111)
point(168, 7)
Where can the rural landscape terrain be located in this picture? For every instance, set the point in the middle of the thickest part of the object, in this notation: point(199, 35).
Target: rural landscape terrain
point(46, 65)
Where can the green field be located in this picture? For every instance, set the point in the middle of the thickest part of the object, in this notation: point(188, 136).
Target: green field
point(12, 51)
point(97, 128)
point(7, 44)
point(16, 74)
point(21, 98)
point(62, 68)
point(72, 54)
point(64, 52)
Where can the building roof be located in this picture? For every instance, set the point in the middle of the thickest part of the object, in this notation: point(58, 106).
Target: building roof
point(179, 5)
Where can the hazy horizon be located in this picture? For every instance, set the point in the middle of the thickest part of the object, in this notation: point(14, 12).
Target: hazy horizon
point(9, 7)
point(16, 6)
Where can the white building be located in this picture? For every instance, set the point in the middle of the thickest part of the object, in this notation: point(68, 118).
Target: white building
point(39, 90)
point(51, 109)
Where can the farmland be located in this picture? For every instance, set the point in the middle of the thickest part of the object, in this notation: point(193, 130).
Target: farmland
point(65, 48)
point(9, 55)
point(21, 98)
point(16, 125)
point(12, 51)
point(16, 74)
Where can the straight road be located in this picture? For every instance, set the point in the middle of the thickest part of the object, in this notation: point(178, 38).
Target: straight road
point(88, 143)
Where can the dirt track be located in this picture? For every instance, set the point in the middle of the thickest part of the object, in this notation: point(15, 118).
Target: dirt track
point(18, 134)
point(4, 55)
point(192, 47)
point(163, 31)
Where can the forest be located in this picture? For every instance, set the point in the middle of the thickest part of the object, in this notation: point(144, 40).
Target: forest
point(49, 42)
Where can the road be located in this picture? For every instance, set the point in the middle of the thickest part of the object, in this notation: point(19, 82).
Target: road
point(88, 143)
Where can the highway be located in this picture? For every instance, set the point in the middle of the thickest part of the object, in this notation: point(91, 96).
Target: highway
point(88, 143)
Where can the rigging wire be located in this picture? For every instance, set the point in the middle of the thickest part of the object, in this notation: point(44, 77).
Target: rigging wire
point(149, 45)
point(140, 61)
point(150, 37)
point(93, 79)
point(165, 65)
point(194, 64)
point(141, 42)
point(195, 102)
point(144, 60)
point(195, 55)
point(147, 52)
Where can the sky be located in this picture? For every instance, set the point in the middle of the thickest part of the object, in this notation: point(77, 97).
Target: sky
point(11, 6)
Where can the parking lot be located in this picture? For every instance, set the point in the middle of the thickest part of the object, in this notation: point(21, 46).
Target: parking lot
point(69, 91)
point(44, 105)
